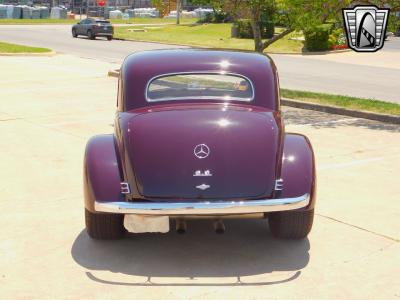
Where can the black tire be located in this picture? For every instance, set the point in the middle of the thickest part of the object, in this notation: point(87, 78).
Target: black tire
point(74, 33)
point(109, 38)
point(104, 226)
point(291, 224)
point(91, 35)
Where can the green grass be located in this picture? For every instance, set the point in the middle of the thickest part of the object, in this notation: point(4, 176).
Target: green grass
point(117, 21)
point(12, 48)
point(153, 21)
point(372, 105)
point(204, 35)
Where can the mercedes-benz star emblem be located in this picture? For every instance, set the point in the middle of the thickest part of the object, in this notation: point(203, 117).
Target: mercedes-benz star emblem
point(201, 151)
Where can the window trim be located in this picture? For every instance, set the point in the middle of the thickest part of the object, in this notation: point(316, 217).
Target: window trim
point(199, 98)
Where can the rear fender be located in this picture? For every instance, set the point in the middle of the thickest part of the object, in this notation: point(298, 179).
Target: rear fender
point(298, 168)
point(102, 177)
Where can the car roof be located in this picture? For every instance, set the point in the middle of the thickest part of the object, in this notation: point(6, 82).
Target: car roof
point(198, 59)
point(139, 68)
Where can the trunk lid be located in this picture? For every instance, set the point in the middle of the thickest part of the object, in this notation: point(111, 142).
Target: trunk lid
point(237, 151)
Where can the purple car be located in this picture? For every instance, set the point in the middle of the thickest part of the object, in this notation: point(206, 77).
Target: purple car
point(198, 134)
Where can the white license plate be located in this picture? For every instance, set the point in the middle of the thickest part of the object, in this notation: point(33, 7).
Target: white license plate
point(143, 224)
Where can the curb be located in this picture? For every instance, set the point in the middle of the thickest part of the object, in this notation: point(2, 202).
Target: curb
point(234, 49)
point(313, 53)
point(113, 73)
point(46, 54)
point(162, 43)
point(392, 119)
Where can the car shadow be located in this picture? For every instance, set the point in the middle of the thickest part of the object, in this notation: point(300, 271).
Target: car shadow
point(247, 248)
point(98, 38)
point(321, 120)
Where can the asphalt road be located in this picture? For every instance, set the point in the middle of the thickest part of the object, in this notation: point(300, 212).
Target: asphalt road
point(46, 118)
point(355, 74)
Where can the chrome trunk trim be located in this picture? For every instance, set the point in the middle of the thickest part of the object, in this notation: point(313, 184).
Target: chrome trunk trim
point(125, 188)
point(279, 184)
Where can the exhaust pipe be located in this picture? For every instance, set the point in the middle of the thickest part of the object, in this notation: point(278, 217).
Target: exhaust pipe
point(180, 226)
point(219, 226)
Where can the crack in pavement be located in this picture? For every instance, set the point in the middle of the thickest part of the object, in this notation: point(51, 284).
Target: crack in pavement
point(54, 129)
point(360, 228)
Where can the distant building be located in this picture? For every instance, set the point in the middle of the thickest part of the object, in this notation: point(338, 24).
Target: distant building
point(186, 4)
point(81, 6)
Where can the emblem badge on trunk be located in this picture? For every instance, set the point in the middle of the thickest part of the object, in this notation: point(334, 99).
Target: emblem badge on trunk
point(201, 151)
point(202, 186)
point(199, 173)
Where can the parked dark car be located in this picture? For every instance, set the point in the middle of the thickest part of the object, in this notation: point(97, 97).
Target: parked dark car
point(93, 28)
point(198, 134)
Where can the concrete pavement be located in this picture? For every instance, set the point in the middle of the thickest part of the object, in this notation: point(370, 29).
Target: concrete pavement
point(59, 38)
point(46, 117)
point(346, 73)
point(373, 75)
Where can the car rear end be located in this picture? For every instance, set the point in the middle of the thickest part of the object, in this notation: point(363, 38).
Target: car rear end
point(103, 28)
point(200, 148)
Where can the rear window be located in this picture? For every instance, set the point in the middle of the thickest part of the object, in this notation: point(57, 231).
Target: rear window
point(200, 86)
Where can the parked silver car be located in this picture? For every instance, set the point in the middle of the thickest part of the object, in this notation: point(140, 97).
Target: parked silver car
point(93, 28)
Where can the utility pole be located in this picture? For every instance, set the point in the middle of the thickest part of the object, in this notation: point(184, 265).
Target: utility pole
point(106, 11)
point(178, 11)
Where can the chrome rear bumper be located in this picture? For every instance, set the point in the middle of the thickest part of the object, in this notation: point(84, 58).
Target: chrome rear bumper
point(203, 208)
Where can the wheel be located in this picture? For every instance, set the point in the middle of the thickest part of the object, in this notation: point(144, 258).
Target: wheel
point(291, 224)
point(104, 226)
point(91, 35)
point(109, 38)
point(74, 33)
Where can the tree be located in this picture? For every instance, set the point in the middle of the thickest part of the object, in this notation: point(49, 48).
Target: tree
point(178, 11)
point(394, 5)
point(296, 14)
